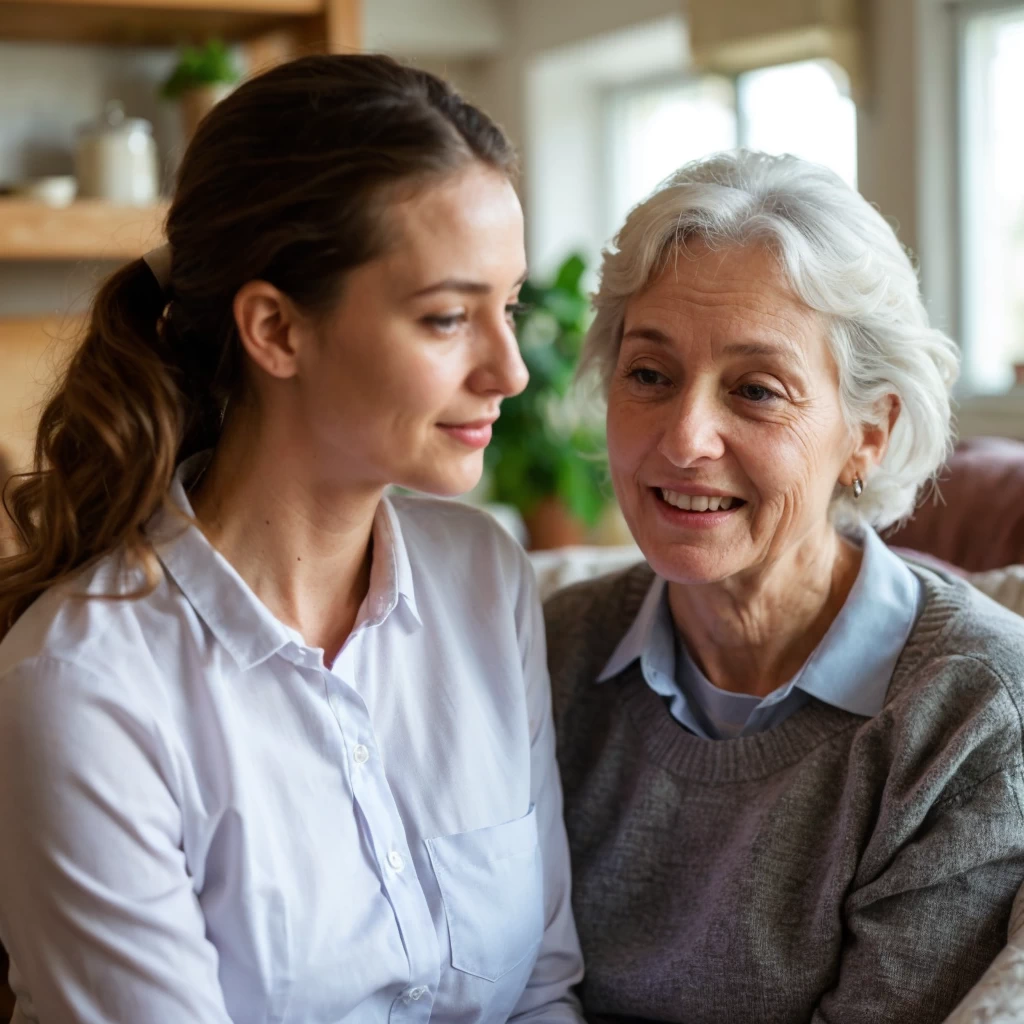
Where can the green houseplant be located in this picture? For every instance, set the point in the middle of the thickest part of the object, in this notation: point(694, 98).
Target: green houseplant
point(546, 456)
point(202, 77)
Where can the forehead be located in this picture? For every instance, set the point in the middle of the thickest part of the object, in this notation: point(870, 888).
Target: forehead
point(725, 292)
point(473, 216)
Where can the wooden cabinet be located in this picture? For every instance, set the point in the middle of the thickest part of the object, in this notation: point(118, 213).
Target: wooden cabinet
point(332, 25)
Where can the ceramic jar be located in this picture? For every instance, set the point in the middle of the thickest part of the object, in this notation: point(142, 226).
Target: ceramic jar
point(116, 159)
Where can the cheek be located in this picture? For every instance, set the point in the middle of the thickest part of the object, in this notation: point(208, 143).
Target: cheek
point(632, 432)
point(392, 381)
point(796, 465)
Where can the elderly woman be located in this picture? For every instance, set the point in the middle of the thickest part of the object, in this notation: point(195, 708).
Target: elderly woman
point(792, 761)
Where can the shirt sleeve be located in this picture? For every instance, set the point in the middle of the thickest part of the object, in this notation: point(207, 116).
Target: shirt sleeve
point(97, 909)
point(923, 932)
point(548, 997)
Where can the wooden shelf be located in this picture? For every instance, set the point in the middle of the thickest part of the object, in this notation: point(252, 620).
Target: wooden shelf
point(154, 22)
point(89, 229)
point(32, 353)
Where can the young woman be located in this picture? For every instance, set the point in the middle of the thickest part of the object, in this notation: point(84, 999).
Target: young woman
point(273, 746)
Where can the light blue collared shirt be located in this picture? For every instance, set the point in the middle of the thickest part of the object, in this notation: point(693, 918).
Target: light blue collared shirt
point(206, 824)
point(850, 669)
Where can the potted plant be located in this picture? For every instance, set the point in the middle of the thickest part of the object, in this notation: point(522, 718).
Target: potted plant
point(203, 76)
point(547, 453)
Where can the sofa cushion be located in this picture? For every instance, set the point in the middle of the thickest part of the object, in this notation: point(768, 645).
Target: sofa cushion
point(976, 519)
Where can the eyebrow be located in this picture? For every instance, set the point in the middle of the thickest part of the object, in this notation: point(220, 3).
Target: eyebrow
point(753, 348)
point(648, 334)
point(736, 348)
point(466, 287)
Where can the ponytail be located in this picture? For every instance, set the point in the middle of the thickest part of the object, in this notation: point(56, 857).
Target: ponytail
point(105, 452)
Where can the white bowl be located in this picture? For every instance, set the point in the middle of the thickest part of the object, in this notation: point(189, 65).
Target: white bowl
point(54, 190)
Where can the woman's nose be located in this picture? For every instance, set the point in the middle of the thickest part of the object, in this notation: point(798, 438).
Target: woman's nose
point(693, 429)
point(503, 370)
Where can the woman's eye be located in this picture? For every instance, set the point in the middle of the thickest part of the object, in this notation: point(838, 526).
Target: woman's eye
point(647, 377)
point(445, 324)
point(514, 310)
point(756, 393)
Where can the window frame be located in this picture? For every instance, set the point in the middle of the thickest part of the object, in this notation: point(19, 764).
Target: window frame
point(611, 95)
point(961, 14)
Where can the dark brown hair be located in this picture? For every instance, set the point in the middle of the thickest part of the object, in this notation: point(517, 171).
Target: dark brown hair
point(286, 181)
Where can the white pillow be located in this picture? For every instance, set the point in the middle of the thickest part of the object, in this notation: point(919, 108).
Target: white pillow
point(558, 568)
point(1004, 585)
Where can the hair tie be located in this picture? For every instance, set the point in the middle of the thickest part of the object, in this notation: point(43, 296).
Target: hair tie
point(159, 262)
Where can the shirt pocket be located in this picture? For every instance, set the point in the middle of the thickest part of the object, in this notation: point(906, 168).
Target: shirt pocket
point(491, 882)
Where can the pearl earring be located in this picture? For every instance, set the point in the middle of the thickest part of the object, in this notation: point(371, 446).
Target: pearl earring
point(858, 487)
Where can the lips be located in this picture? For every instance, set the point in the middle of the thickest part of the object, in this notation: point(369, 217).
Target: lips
point(475, 434)
point(473, 425)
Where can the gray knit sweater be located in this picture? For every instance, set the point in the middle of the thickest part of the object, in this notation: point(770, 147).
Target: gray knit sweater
point(834, 869)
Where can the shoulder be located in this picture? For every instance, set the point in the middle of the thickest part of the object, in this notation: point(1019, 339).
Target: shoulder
point(960, 623)
point(88, 643)
point(69, 690)
point(603, 602)
point(585, 622)
point(452, 535)
point(80, 621)
point(958, 689)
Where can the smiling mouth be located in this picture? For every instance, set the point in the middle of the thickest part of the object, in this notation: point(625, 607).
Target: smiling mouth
point(699, 502)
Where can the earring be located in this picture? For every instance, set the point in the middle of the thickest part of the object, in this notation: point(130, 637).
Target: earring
point(858, 487)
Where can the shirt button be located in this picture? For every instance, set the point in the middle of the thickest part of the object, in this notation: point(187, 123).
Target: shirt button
point(396, 860)
point(360, 754)
point(417, 993)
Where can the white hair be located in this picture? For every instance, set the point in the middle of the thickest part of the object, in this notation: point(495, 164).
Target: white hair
point(842, 259)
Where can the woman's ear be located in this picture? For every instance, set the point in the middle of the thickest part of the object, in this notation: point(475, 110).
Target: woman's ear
point(872, 442)
point(270, 328)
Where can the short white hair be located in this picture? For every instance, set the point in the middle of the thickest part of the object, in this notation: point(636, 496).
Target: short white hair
point(842, 259)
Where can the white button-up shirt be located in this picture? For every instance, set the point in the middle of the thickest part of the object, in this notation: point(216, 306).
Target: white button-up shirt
point(200, 822)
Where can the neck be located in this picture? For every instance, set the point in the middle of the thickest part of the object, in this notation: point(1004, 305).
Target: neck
point(752, 632)
point(302, 544)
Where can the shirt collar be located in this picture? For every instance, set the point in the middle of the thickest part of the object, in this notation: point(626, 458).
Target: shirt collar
point(843, 670)
point(391, 576)
point(235, 615)
point(643, 637)
point(852, 666)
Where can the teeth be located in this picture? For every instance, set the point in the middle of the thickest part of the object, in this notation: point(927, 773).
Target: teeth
point(698, 502)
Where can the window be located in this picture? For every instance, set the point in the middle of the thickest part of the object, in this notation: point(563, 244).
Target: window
point(804, 109)
point(992, 195)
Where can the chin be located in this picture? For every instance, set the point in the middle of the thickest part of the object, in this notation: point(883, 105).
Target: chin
point(686, 565)
point(444, 481)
